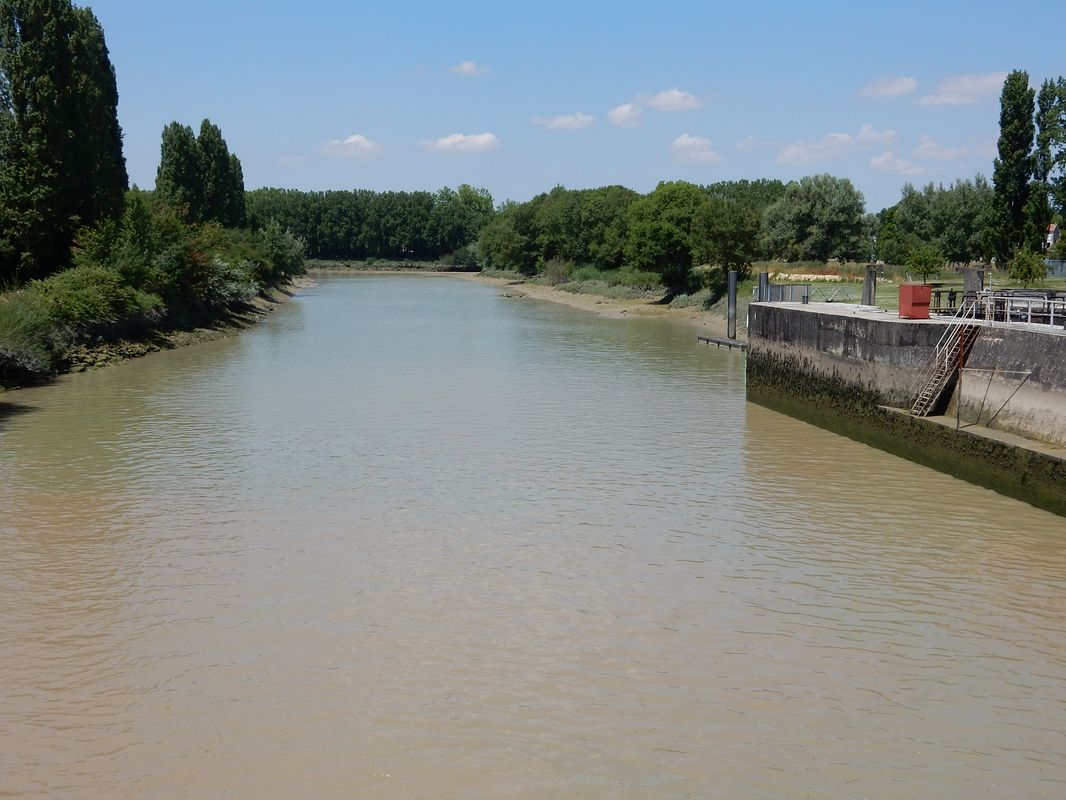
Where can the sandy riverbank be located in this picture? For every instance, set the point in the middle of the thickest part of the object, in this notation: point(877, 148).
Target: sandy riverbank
point(705, 322)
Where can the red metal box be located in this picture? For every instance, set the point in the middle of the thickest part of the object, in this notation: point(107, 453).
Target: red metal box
point(914, 300)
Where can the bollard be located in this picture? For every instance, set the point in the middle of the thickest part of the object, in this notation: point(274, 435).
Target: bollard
point(869, 287)
point(973, 281)
point(731, 312)
point(764, 287)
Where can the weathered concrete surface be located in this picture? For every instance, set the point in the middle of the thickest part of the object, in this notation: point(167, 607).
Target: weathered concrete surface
point(1004, 397)
point(838, 367)
point(873, 350)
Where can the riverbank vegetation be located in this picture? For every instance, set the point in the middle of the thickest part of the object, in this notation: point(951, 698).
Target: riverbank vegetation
point(145, 272)
point(362, 225)
point(85, 261)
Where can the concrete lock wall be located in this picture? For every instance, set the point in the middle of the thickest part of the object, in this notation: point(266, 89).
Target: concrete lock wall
point(1023, 390)
point(840, 370)
point(882, 358)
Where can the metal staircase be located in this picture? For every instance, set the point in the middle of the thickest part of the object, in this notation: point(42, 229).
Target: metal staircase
point(948, 358)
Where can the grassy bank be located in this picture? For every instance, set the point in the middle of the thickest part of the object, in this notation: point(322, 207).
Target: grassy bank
point(138, 284)
point(36, 344)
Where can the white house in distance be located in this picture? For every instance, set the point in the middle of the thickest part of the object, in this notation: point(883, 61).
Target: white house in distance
point(1053, 235)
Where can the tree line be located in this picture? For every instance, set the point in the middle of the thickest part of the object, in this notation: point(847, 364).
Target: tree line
point(87, 259)
point(200, 176)
point(678, 226)
point(362, 224)
point(61, 162)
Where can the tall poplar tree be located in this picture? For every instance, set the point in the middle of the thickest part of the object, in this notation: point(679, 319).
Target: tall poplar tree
point(1013, 228)
point(61, 163)
point(200, 176)
point(1051, 141)
point(234, 207)
point(101, 185)
point(179, 180)
point(215, 165)
point(1040, 212)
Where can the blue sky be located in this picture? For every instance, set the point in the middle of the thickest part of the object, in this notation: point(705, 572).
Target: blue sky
point(519, 97)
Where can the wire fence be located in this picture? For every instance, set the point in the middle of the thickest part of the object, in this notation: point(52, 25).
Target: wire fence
point(1056, 267)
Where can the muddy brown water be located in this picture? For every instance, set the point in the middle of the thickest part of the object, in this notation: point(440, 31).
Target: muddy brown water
point(410, 539)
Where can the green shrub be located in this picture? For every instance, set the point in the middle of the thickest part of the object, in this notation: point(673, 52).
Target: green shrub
point(556, 271)
point(925, 261)
point(588, 274)
point(284, 252)
point(703, 298)
point(236, 246)
point(1027, 267)
point(637, 279)
point(29, 337)
point(468, 257)
point(91, 300)
point(224, 284)
point(631, 278)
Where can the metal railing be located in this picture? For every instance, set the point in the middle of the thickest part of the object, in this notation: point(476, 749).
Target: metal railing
point(789, 292)
point(1022, 309)
point(947, 357)
point(807, 293)
point(833, 293)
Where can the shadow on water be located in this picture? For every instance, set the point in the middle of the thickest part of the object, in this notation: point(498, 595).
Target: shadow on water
point(8, 410)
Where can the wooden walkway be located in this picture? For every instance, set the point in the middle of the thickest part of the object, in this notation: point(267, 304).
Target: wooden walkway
point(730, 343)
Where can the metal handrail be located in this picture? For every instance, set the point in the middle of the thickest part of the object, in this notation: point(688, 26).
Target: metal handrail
point(966, 315)
point(1052, 308)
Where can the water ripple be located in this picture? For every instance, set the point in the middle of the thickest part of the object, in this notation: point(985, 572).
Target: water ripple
point(409, 539)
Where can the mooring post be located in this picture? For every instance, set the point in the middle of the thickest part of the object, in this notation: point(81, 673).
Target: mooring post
point(731, 308)
point(764, 287)
point(973, 281)
point(869, 286)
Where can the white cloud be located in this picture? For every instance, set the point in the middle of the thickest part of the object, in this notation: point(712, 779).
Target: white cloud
point(694, 148)
point(626, 115)
point(889, 87)
point(870, 134)
point(468, 69)
point(287, 160)
point(671, 100)
point(355, 146)
point(755, 143)
point(890, 162)
point(833, 145)
point(930, 148)
point(808, 152)
point(965, 90)
point(565, 122)
point(464, 143)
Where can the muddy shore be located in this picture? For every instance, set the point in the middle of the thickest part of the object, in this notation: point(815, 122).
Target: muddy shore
point(704, 321)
